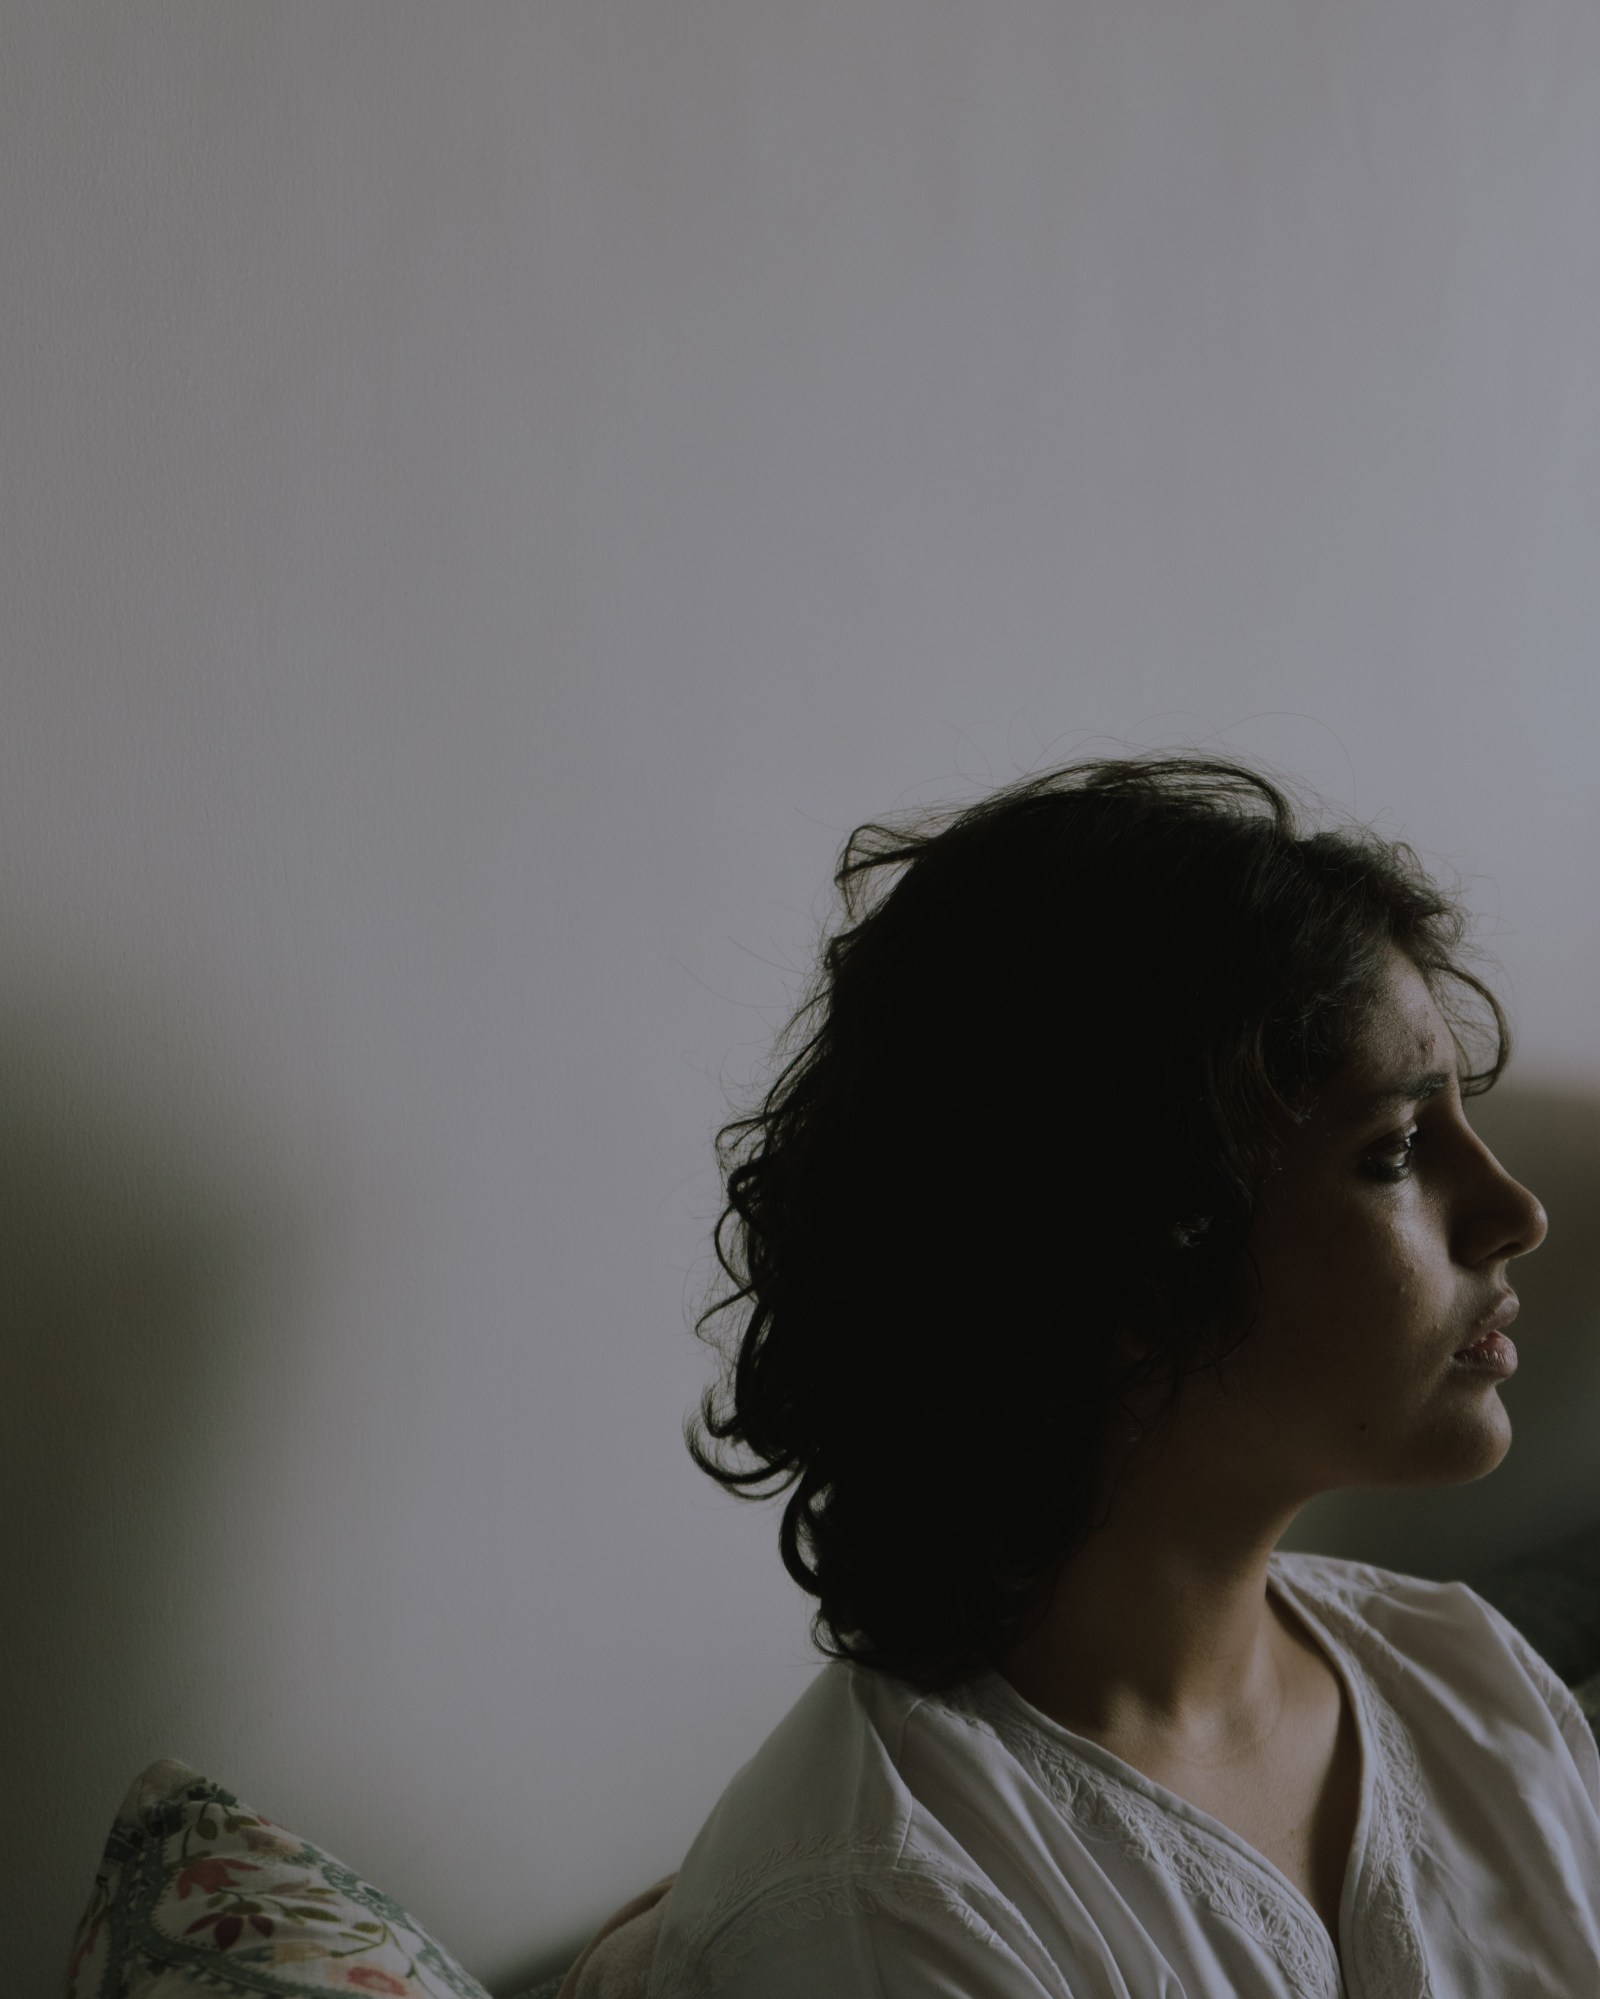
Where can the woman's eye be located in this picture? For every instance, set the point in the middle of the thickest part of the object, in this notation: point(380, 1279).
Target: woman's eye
point(1392, 1160)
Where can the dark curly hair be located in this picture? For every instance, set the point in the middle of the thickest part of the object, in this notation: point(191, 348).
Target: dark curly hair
point(1045, 1076)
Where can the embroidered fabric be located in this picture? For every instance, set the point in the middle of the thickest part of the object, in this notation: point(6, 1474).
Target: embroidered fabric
point(1386, 1944)
point(806, 1881)
point(1201, 1868)
point(1206, 1869)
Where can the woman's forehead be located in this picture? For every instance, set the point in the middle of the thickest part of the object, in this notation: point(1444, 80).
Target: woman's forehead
point(1402, 1053)
point(1404, 1028)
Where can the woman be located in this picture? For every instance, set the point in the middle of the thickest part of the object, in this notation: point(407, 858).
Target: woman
point(1119, 1199)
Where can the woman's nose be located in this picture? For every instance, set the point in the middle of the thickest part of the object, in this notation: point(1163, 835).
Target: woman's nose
point(1519, 1218)
point(1538, 1222)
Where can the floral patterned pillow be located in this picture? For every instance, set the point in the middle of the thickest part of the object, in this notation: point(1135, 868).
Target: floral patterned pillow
point(198, 1894)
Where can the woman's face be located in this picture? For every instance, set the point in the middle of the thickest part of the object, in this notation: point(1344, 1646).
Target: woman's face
point(1382, 1243)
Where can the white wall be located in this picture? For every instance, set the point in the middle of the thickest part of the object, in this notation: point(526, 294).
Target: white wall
point(491, 495)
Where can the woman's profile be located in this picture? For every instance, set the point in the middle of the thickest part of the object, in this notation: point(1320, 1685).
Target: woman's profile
point(1116, 1196)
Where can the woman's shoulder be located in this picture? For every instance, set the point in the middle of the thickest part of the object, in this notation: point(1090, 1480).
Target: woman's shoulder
point(1340, 1572)
point(823, 1781)
point(1411, 1614)
point(1443, 1653)
point(818, 1830)
point(1440, 1639)
point(1368, 1588)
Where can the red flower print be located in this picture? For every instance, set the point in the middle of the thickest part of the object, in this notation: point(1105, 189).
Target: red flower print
point(368, 1978)
point(212, 1874)
point(226, 1933)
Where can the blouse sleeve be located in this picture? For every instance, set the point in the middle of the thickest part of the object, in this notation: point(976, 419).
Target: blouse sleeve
point(915, 1935)
point(1569, 1717)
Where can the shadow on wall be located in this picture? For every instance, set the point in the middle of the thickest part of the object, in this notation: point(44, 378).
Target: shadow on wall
point(1548, 1485)
point(145, 1248)
point(138, 1245)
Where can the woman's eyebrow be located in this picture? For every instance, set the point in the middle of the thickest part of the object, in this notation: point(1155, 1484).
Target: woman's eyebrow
point(1414, 1090)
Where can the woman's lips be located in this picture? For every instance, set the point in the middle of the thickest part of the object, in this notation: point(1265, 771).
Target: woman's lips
point(1493, 1354)
point(1492, 1322)
point(1489, 1348)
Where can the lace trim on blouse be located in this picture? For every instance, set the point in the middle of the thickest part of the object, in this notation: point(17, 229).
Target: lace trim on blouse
point(862, 1871)
point(1385, 1940)
point(1200, 1868)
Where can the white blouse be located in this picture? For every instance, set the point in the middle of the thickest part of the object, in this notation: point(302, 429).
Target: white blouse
point(886, 1844)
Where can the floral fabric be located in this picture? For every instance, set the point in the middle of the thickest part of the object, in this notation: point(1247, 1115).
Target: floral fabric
point(199, 1894)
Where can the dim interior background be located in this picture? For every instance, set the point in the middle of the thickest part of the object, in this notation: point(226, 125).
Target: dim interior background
point(492, 494)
